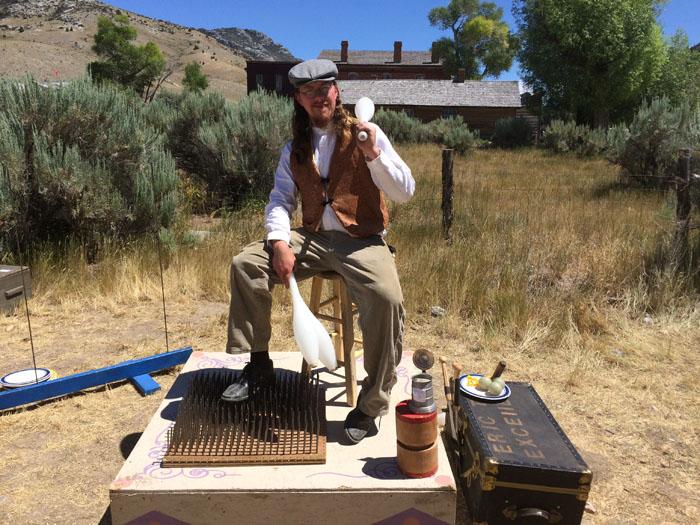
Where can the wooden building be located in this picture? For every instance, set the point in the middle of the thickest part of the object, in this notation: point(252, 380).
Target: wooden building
point(480, 102)
point(269, 75)
point(352, 65)
point(384, 65)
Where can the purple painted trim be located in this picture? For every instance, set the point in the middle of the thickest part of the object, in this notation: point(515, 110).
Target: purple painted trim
point(411, 515)
point(156, 517)
point(335, 474)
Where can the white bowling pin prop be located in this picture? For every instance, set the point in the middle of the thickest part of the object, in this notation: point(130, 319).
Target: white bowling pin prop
point(303, 325)
point(364, 111)
point(312, 338)
point(326, 352)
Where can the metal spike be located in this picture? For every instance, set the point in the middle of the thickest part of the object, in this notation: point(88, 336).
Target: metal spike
point(282, 421)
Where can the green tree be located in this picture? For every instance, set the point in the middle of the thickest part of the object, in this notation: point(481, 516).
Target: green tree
point(195, 80)
point(481, 42)
point(594, 60)
point(680, 75)
point(140, 68)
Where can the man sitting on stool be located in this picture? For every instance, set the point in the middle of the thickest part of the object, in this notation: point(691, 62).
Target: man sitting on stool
point(342, 182)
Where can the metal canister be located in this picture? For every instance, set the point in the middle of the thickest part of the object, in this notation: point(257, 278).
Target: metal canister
point(422, 401)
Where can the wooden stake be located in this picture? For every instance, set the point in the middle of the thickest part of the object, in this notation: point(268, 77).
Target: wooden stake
point(446, 379)
point(499, 370)
point(447, 187)
point(682, 207)
point(457, 370)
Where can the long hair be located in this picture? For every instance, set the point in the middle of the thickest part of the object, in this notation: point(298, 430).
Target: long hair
point(343, 123)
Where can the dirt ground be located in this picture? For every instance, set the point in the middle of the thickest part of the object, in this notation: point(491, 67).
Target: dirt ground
point(637, 429)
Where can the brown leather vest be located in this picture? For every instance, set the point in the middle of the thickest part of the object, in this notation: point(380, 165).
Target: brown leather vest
point(357, 202)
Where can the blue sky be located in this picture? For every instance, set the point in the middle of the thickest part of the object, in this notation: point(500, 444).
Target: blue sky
point(307, 27)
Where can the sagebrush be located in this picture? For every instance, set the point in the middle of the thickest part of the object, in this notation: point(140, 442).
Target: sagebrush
point(80, 161)
point(567, 136)
point(232, 149)
point(450, 132)
point(649, 155)
point(512, 133)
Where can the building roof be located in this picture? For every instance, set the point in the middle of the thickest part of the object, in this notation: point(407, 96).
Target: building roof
point(696, 47)
point(411, 58)
point(285, 62)
point(471, 93)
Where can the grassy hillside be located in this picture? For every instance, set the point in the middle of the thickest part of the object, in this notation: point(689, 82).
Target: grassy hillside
point(51, 49)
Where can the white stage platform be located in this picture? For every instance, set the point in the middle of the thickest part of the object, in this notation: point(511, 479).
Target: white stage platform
point(358, 484)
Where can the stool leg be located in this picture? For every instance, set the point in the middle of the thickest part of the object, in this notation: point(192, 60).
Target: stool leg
point(337, 325)
point(348, 343)
point(316, 289)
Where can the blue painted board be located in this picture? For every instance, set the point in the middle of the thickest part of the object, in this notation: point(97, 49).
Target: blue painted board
point(145, 384)
point(101, 376)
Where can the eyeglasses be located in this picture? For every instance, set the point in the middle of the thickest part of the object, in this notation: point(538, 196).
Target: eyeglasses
point(318, 91)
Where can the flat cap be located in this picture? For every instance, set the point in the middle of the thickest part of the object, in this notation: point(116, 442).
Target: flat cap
point(311, 70)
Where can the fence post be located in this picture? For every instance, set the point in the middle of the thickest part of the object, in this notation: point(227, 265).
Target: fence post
point(682, 207)
point(447, 187)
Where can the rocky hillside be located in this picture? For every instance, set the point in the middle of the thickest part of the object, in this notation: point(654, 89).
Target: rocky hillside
point(249, 43)
point(51, 40)
point(64, 10)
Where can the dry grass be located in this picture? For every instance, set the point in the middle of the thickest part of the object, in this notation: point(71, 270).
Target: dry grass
point(552, 267)
point(536, 239)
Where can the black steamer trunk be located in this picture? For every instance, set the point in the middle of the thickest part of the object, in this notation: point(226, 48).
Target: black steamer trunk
point(517, 465)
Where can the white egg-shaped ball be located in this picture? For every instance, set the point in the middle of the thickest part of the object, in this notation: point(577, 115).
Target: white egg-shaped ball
point(484, 383)
point(495, 389)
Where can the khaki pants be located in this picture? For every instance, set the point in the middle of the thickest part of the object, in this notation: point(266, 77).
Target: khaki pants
point(373, 284)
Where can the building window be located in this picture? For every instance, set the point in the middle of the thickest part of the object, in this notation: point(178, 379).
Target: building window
point(259, 80)
point(353, 76)
point(279, 83)
point(449, 112)
point(409, 111)
point(386, 76)
point(420, 77)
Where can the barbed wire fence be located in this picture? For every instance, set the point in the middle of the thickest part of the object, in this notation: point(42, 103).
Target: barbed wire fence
point(683, 183)
point(460, 196)
point(462, 204)
point(686, 178)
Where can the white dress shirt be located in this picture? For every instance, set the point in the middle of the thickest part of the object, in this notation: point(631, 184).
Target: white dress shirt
point(389, 173)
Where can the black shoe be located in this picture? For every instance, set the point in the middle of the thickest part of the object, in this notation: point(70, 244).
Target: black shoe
point(253, 378)
point(359, 425)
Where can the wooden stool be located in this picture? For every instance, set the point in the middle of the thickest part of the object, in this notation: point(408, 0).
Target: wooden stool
point(343, 335)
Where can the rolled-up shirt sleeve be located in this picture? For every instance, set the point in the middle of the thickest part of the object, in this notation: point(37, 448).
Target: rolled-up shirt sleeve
point(390, 173)
point(282, 202)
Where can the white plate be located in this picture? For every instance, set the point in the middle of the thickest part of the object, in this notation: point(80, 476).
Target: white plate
point(25, 377)
point(469, 387)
